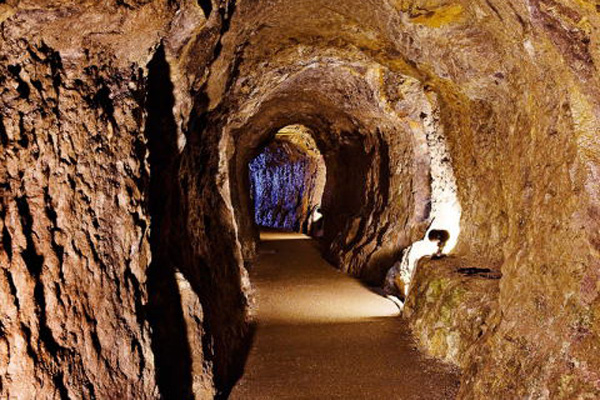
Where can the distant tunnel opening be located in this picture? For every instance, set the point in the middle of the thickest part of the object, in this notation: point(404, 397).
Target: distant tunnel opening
point(287, 180)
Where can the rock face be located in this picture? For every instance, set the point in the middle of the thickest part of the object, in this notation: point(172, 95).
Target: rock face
point(91, 172)
point(126, 222)
point(452, 306)
point(287, 180)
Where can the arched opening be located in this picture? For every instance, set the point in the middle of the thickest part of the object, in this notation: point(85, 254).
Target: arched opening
point(373, 167)
point(461, 150)
point(287, 180)
point(379, 185)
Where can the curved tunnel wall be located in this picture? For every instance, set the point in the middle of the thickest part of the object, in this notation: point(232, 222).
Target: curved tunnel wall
point(518, 95)
point(500, 180)
point(366, 167)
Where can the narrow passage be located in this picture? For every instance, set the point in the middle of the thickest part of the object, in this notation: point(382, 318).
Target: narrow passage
point(323, 335)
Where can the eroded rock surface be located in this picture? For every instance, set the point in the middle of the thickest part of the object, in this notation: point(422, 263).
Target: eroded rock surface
point(452, 307)
point(126, 128)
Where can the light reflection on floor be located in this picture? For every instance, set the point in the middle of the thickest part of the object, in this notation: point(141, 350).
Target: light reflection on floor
point(267, 236)
point(323, 335)
point(295, 285)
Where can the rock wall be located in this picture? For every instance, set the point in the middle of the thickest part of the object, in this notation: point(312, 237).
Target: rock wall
point(516, 86)
point(94, 115)
point(117, 198)
point(367, 166)
point(74, 225)
point(453, 304)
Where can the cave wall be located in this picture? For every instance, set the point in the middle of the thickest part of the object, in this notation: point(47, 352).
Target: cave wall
point(378, 151)
point(94, 306)
point(74, 226)
point(516, 90)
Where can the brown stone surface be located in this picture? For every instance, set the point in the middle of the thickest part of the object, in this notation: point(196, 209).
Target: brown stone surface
point(75, 202)
point(126, 126)
point(452, 308)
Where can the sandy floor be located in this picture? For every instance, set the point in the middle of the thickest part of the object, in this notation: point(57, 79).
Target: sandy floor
point(323, 335)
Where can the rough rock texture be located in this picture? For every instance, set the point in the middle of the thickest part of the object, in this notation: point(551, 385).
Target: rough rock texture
point(369, 193)
point(452, 306)
point(109, 187)
point(517, 88)
point(87, 111)
point(287, 180)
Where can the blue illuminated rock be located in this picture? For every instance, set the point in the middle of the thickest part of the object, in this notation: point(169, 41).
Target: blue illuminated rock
point(286, 182)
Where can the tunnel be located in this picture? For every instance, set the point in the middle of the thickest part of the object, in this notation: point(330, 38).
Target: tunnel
point(310, 199)
point(287, 179)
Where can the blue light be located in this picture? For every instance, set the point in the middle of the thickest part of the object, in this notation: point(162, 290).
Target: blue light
point(277, 188)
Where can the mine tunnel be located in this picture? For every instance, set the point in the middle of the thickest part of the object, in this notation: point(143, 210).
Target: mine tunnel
point(287, 179)
point(299, 199)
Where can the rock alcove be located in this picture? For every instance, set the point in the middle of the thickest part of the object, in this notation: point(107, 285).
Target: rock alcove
point(126, 217)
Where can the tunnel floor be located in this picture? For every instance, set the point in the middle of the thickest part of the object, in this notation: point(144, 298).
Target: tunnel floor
point(323, 335)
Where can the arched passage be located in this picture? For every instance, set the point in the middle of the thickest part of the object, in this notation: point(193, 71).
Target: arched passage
point(287, 179)
point(85, 230)
point(381, 150)
point(367, 160)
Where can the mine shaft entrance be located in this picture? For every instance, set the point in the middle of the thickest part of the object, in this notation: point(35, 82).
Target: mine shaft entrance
point(287, 180)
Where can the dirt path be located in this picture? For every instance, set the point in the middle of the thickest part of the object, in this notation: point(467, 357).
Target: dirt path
point(323, 335)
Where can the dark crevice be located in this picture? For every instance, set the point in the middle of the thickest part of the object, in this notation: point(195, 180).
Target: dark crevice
point(102, 99)
point(94, 251)
point(58, 291)
point(7, 243)
point(24, 139)
point(3, 136)
point(45, 333)
point(56, 66)
point(22, 87)
point(384, 167)
point(132, 282)
point(137, 348)
point(206, 6)
point(27, 334)
point(125, 5)
point(32, 259)
point(90, 390)
point(480, 272)
point(164, 311)
point(96, 342)
point(226, 13)
point(59, 250)
point(13, 288)
point(141, 223)
point(235, 65)
point(60, 386)
point(494, 9)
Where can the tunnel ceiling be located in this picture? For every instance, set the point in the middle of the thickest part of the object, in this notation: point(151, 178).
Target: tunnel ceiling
point(510, 87)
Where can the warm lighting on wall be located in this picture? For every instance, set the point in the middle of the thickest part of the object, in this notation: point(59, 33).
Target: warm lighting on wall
point(445, 207)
